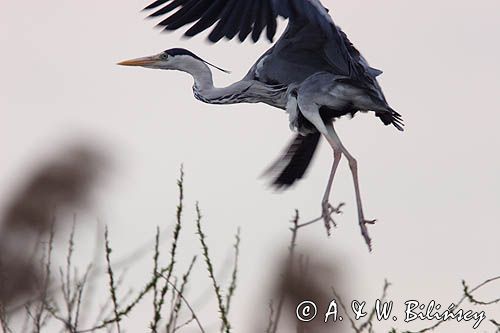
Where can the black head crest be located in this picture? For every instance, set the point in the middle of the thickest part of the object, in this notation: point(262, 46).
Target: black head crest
point(179, 51)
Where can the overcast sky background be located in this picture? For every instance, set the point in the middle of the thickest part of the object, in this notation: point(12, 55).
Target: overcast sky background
point(434, 189)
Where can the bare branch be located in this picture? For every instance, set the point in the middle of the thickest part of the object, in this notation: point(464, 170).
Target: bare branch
point(222, 309)
point(195, 317)
point(112, 287)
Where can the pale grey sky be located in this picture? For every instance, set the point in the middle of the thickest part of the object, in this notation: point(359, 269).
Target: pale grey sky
point(435, 188)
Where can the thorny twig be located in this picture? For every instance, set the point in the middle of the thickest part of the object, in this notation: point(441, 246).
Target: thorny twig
point(234, 275)
point(112, 286)
point(467, 295)
point(222, 309)
point(156, 313)
point(176, 308)
point(369, 321)
point(473, 300)
point(351, 320)
point(158, 301)
point(125, 311)
point(46, 279)
point(195, 317)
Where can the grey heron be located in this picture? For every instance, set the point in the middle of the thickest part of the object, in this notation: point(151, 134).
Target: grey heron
point(313, 72)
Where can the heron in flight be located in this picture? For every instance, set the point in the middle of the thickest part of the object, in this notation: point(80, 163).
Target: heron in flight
point(313, 72)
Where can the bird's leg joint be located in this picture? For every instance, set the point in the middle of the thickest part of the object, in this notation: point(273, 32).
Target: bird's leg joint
point(353, 164)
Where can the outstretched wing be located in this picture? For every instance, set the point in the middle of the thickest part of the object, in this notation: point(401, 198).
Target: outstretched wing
point(230, 17)
point(237, 17)
point(244, 17)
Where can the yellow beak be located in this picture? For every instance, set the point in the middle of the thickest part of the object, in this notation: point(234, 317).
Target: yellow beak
point(139, 61)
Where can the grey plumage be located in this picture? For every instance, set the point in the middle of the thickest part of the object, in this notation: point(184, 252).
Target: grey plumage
point(313, 72)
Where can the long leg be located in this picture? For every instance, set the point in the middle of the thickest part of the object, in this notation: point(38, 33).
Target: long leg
point(311, 112)
point(353, 165)
point(328, 209)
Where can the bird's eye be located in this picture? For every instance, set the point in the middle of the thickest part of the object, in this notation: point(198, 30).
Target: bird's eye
point(164, 56)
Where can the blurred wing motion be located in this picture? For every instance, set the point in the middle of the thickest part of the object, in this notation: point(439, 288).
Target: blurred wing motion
point(313, 72)
point(240, 17)
point(244, 17)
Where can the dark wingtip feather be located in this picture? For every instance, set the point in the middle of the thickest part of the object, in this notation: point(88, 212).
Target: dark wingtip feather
point(155, 4)
point(399, 127)
point(293, 164)
point(392, 117)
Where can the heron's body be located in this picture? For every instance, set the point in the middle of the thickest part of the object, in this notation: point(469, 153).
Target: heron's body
point(313, 72)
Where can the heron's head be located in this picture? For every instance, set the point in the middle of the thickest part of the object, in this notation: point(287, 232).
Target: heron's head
point(177, 59)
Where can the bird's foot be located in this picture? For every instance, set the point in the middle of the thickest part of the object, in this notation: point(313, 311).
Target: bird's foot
point(327, 211)
point(364, 231)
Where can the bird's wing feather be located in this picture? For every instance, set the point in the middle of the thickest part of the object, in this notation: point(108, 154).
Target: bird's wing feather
point(239, 16)
point(301, 52)
point(231, 18)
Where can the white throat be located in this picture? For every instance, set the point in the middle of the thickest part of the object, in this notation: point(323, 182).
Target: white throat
point(244, 91)
point(200, 72)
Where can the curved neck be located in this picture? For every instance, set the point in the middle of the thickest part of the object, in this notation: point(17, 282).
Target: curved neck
point(200, 72)
point(204, 89)
point(244, 91)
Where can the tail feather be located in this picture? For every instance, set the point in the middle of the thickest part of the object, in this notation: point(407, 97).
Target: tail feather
point(391, 117)
point(292, 165)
